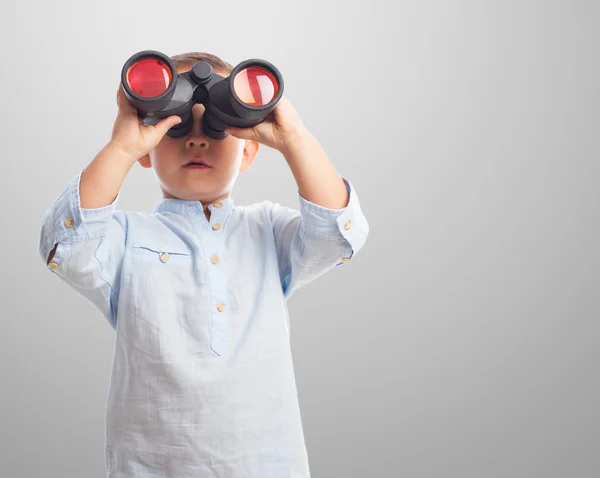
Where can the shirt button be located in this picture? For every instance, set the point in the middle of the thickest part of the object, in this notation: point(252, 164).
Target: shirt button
point(214, 259)
point(164, 257)
point(218, 205)
point(220, 306)
point(216, 226)
point(345, 260)
point(69, 222)
point(348, 225)
point(53, 265)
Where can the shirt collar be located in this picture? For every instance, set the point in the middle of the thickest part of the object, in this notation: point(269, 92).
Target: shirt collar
point(183, 205)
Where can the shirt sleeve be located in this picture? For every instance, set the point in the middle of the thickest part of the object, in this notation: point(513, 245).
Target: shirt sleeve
point(316, 239)
point(90, 244)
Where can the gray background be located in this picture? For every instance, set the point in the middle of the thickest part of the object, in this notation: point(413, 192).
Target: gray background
point(462, 341)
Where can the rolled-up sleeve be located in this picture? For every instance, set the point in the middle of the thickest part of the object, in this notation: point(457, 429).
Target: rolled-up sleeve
point(90, 244)
point(315, 239)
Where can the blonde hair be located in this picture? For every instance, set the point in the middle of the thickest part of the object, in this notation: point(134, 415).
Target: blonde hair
point(187, 60)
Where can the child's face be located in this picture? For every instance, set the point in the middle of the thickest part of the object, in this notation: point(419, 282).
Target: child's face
point(226, 157)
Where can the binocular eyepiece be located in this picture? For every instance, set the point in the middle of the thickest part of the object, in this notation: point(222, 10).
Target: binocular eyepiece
point(242, 99)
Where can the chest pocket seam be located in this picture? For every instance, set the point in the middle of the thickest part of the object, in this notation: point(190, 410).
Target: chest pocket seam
point(153, 252)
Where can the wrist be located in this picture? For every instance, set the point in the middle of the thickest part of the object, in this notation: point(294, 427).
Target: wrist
point(119, 150)
point(294, 141)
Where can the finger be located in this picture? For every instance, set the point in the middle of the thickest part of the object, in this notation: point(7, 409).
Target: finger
point(243, 133)
point(166, 124)
point(123, 103)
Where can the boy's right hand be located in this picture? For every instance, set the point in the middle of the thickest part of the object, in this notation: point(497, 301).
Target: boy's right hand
point(131, 134)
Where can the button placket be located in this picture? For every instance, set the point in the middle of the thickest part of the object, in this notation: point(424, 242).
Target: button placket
point(219, 311)
point(210, 232)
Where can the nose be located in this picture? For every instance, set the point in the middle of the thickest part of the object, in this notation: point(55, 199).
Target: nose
point(196, 136)
point(192, 142)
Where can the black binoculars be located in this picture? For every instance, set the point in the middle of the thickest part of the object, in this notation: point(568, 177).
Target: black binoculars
point(243, 99)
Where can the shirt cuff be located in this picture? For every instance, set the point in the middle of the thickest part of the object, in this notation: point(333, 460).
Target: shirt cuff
point(67, 221)
point(346, 224)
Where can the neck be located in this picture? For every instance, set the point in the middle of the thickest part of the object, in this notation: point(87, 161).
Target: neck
point(204, 204)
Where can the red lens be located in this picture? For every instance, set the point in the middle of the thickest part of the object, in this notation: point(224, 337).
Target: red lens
point(255, 86)
point(149, 78)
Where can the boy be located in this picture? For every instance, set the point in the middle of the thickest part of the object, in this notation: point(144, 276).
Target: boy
point(202, 383)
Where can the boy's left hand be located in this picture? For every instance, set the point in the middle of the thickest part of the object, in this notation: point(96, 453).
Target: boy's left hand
point(279, 128)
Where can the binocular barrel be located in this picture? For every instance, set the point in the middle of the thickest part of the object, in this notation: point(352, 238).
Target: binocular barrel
point(242, 99)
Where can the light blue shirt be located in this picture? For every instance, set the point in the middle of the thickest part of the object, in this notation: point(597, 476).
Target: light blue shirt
point(202, 382)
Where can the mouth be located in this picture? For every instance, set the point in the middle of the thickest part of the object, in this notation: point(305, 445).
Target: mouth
point(196, 164)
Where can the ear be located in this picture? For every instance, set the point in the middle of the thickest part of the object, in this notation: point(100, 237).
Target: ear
point(250, 151)
point(145, 161)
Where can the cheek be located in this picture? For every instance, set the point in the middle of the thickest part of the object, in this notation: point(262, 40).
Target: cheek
point(230, 155)
point(237, 151)
point(231, 143)
point(164, 159)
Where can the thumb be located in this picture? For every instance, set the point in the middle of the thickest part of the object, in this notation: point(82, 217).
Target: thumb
point(243, 133)
point(166, 124)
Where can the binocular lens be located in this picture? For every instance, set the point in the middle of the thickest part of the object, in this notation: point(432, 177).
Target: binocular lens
point(244, 98)
point(255, 86)
point(149, 77)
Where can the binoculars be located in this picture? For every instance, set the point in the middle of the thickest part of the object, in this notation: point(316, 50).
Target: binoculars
point(242, 99)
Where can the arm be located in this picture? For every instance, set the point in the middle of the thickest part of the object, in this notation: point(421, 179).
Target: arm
point(82, 239)
point(330, 226)
point(316, 177)
point(101, 181)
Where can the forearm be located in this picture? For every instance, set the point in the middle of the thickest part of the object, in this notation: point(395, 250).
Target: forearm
point(317, 179)
point(103, 177)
